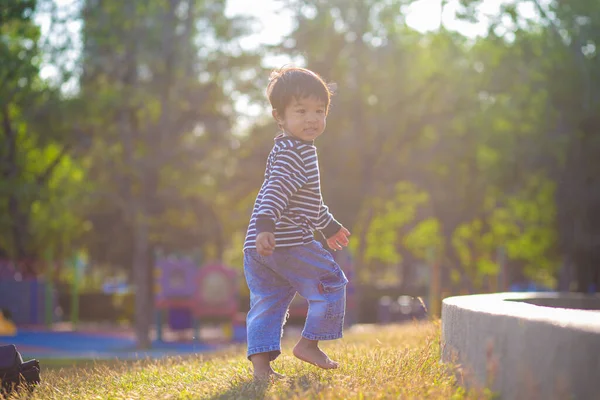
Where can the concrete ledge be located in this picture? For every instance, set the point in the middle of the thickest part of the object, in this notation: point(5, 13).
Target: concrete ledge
point(521, 350)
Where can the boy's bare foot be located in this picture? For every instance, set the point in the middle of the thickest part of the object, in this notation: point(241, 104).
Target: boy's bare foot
point(262, 367)
point(266, 375)
point(308, 351)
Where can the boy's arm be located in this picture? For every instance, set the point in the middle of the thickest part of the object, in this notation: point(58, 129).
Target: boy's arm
point(287, 176)
point(326, 223)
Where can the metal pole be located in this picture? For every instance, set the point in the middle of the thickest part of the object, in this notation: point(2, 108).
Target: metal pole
point(77, 264)
point(48, 302)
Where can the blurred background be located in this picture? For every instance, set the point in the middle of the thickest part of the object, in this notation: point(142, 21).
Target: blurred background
point(461, 149)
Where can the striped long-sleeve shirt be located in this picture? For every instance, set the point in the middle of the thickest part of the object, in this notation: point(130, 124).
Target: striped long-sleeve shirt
point(289, 202)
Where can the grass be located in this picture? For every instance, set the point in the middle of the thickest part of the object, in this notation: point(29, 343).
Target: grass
point(376, 363)
point(49, 364)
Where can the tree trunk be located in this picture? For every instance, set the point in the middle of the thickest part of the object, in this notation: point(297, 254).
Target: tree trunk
point(138, 217)
point(141, 275)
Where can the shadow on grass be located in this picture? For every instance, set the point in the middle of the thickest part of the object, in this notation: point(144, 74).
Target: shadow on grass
point(258, 390)
point(244, 390)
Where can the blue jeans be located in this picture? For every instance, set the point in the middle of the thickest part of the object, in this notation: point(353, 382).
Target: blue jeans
point(274, 280)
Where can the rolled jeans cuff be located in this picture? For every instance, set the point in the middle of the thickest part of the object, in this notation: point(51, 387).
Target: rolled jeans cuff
point(331, 336)
point(274, 351)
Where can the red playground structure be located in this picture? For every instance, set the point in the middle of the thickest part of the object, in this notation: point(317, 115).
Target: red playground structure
point(190, 295)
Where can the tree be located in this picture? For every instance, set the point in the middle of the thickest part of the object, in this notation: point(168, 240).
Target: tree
point(571, 68)
point(154, 79)
point(38, 172)
point(428, 134)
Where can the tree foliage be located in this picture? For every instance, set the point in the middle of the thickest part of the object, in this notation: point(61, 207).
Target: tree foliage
point(41, 180)
point(154, 81)
point(480, 130)
point(465, 148)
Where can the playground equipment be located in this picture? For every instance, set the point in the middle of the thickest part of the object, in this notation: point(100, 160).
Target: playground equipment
point(216, 298)
point(190, 295)
point(30, 300)
point(7, 327)
point(174, 290)
point(299, 305)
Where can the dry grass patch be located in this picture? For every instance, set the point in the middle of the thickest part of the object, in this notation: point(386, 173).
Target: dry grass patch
point(392, 362)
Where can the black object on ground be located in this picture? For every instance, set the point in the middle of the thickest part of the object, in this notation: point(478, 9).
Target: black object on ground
point(16, 374)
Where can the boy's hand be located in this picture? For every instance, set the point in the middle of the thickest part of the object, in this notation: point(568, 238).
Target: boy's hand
point(339, 239)
point(265, 243)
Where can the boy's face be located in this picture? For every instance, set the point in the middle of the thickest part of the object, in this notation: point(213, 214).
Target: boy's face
point(303, 118)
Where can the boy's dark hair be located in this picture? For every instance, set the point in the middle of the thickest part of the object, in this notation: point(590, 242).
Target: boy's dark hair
point(288, 83)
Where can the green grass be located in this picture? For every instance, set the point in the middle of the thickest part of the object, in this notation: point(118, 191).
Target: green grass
point(376, 363)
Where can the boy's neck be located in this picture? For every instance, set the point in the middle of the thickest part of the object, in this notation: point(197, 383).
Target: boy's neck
point(289, 135)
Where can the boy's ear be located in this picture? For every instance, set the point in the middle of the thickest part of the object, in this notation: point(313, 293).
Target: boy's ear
point(276, 116)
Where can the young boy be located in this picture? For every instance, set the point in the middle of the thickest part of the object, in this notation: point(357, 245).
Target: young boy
point(281, 256)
